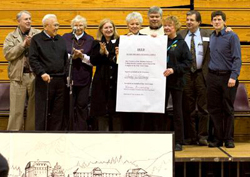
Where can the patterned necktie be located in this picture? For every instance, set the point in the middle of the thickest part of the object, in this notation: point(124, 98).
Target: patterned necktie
point(192, 50)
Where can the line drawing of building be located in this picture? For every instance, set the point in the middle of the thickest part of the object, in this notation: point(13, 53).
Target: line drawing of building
point(57, 171)
point(38, 169)
point(137, 172)
point(95, 172)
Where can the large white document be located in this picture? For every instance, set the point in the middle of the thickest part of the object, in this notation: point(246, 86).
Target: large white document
point(141, 84)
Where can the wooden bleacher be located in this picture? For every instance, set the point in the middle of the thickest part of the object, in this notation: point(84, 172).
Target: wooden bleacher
point(221, 4)
point(193, 160)
point(83, 4)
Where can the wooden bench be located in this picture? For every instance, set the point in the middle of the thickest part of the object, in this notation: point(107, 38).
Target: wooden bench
point(83, 4)
point(222, 4)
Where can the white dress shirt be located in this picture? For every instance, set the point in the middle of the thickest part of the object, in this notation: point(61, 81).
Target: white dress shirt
point(198, 46)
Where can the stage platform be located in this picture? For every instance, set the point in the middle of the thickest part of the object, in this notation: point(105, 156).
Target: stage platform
point(213, 162)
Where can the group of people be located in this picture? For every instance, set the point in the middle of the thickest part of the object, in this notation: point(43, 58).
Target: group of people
point(202, 76)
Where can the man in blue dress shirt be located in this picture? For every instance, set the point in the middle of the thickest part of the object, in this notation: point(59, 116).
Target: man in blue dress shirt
point(222, 80)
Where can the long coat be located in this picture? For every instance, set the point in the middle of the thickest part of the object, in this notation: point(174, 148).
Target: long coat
point(103, 96)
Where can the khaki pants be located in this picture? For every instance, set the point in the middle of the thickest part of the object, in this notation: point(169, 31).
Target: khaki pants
point(18, 95)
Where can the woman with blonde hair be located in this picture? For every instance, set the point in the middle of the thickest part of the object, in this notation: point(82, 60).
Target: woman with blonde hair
point(103, 97)
point(179, 61)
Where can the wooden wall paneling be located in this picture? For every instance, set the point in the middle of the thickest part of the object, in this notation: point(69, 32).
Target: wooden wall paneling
point(92, 31)
point(245, 53)
point(8, 18)
point(76, 4)
point(242, 126)
point(219, 4)
point(243, 33)
point(235, 17)
point(247, 84)
point(4, 71)
point(2, 59)
point(245, 72)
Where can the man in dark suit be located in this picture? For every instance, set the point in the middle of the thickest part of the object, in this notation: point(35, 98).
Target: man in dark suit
point(194, 94)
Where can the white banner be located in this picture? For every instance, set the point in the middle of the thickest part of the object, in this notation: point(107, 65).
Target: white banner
point(85, 154)
point(141, 84)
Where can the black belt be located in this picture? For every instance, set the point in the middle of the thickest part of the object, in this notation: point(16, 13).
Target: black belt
point(219, 72)
point(198, 70)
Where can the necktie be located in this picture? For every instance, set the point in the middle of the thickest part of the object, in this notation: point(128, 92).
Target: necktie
point(192, 50)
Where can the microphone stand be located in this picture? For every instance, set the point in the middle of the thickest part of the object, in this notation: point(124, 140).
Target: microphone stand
point(70, 86)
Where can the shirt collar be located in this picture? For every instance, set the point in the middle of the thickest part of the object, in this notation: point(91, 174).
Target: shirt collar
point(79, 37)
point(24, 34)
point(49, 37)
point(222, 32)
point(47, 34)
point(196, 33)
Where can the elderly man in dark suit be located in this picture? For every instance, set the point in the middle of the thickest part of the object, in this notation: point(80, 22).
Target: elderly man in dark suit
point(195, 90)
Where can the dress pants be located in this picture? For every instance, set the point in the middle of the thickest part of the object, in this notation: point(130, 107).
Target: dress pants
point(133, 121)
point(195, 99)
point(80, 108)
point(54, 104)
point(177, 113)
point(19, 91)
point(221, 105)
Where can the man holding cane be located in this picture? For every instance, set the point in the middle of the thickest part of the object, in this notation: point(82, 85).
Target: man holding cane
point(48, 57)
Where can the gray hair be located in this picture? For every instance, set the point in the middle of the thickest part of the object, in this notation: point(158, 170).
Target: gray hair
point(46, 17)
point(134, 15)
point(78, 18)
point(18, 16)
point(155, 9)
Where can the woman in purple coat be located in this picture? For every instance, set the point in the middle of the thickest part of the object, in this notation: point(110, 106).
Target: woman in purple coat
point(81, 70)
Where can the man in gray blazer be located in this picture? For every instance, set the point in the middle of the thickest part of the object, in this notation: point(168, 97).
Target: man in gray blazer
point(194, 94)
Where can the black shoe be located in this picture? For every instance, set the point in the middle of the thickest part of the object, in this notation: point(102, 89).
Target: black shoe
point(178, 147)
point(229, 144)
point(215, 144)
point(203, 142)
point(190, 142)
